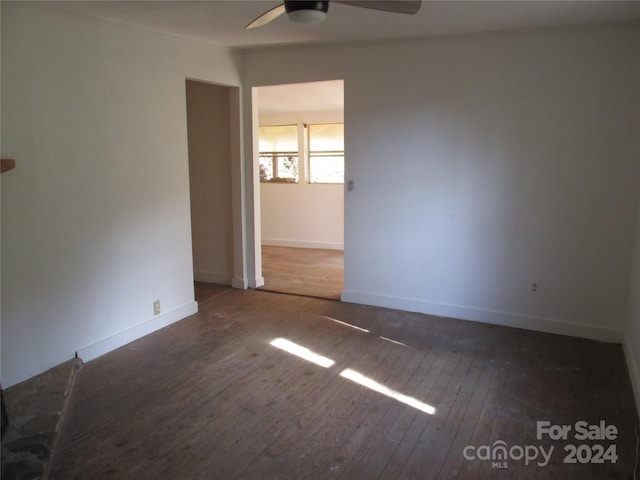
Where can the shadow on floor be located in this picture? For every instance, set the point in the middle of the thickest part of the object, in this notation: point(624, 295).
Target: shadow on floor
point(35, 409)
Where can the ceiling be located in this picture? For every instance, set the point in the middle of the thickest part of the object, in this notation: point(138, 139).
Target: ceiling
point(301, 97)
point(222, 22)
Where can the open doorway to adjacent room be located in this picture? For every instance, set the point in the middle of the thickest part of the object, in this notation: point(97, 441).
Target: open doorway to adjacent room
point(301, 165)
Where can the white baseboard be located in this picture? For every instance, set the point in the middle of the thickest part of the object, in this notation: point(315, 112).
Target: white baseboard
point(275, 242)
point(241, 283)
point(244, 283)
point(223, 279)
point(117, 340)
point(212, 277)
point(528, 322)
point(633, 366)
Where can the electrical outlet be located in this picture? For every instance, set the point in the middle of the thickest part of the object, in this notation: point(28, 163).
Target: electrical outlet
point(156, 307)
point(534, 287)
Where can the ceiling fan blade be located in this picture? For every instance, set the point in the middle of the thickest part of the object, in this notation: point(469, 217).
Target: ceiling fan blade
point(267, 17)
point(409, 7)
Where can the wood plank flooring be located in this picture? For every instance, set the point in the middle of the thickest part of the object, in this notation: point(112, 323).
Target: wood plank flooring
point(311, 272)
point(204, 291)
point(214, 397)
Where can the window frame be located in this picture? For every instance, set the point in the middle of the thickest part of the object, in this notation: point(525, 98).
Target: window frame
point(303, 156)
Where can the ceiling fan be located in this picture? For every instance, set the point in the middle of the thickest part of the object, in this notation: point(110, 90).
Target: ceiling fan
point(315, 11)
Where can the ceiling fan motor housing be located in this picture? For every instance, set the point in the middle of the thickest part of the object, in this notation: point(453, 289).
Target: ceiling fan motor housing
point(306, 11)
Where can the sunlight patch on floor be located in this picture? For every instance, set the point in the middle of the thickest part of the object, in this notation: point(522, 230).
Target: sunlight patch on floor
point(302, 352)
point(384, 390)
point(352, 375)
point(345, 323)
point(394, 341)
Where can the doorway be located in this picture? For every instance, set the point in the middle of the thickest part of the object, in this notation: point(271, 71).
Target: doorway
point(301, 165)
point(212, 139)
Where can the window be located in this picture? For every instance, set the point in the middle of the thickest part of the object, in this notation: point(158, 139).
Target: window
point(326, 153)
point(324, 157)
point(278, 147)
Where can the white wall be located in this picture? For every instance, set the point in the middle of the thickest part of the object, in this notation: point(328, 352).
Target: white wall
point(302, 215)
point(632, 334)
point(209, 135)
point(482, 162)
point(96, 214)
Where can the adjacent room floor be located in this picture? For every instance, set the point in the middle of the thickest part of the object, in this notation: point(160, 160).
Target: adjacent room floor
point(311, 272)
point(260, 385)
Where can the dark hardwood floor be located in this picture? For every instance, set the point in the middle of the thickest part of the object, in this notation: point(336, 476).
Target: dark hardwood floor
point(245, 389)
point(204, 291)
point(310, 272)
